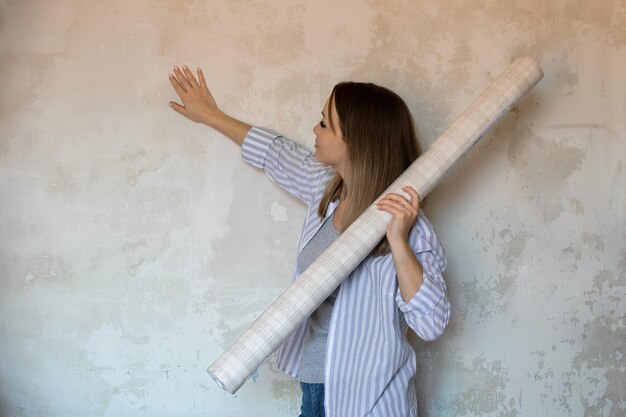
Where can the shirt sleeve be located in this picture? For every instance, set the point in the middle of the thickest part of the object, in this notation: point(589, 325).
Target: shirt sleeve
point(428, 312)
point(289, 164)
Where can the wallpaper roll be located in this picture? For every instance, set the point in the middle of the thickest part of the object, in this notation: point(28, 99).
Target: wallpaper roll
point(233, 367)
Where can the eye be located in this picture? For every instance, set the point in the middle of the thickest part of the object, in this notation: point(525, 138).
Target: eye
point(322, 124)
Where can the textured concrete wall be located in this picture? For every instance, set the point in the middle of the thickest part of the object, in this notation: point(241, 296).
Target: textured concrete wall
point(135, 245)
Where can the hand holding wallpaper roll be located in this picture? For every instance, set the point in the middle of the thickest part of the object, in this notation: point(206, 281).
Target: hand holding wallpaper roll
point(233, 367)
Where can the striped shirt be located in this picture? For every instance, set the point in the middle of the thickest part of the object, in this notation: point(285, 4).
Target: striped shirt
point(370, 364)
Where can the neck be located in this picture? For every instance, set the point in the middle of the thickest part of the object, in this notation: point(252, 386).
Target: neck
point(346, 182)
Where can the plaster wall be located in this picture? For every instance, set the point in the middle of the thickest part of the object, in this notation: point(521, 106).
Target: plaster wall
point(135, 245)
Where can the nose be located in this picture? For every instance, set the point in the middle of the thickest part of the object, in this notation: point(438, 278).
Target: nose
point(315, 129)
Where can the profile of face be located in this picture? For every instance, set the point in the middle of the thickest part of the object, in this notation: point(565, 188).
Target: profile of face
point(330, 147)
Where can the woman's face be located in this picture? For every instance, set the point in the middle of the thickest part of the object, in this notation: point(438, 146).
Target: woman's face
point(330, 147)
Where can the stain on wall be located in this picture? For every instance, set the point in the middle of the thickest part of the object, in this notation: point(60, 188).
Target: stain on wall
point(135, 246)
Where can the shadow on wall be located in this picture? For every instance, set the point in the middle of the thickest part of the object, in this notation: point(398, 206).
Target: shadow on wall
point(3, 407)
point(430, 358)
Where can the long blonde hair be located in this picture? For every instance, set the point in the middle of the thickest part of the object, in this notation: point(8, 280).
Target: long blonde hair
point(381, 143)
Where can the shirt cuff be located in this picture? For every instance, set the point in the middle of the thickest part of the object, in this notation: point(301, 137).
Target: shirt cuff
point(425, 300)
point(256, 144)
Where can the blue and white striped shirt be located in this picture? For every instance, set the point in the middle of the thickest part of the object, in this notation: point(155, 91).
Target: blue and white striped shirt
point(370, 364)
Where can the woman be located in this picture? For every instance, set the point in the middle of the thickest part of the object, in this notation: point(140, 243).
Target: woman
point(351, 356)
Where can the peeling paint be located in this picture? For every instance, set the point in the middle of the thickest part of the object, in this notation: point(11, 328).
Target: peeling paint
point(593, 240)
point(486, 392)
point(545, 162)
point(46, 268)
point(278, 212)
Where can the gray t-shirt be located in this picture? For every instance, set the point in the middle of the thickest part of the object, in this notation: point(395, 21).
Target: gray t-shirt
point(311, 369)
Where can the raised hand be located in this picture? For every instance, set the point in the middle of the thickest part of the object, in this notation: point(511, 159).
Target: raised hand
point(198, 102)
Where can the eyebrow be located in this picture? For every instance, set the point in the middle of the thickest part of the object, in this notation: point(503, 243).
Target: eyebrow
point(323, 113)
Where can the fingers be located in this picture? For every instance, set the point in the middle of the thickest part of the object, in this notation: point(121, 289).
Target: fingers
point(202, 80)
point(179, 109)
point(204, 88)
point(399, 205)
point(180, 90)
point(397, 199)
point(415, 198)
point(394, 208)
point(190, 77)
point(182, 79)
point(184, 83)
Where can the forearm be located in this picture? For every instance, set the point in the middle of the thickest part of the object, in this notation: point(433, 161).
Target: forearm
point(232, 128)
point(408, 269)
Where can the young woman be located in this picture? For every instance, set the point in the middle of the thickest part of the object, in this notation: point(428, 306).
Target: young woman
point(351, 356)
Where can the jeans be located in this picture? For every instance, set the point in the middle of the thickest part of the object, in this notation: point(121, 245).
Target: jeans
point(312, 400)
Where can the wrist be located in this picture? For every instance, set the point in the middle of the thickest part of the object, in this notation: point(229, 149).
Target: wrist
point(212, 117)
point(399, 244)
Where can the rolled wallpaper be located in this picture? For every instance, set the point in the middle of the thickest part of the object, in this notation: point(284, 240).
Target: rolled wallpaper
point(235, 365)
